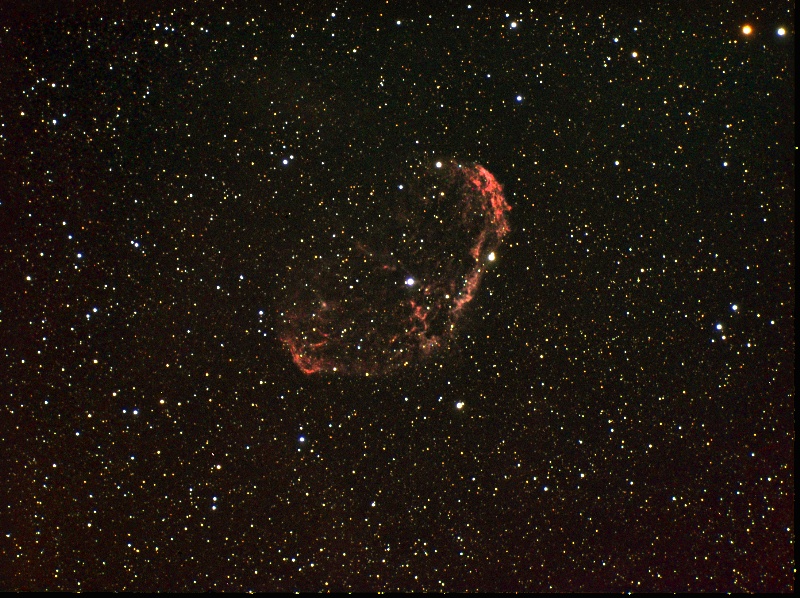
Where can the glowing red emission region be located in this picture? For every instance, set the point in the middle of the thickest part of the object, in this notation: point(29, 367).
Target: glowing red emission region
point(306, 363)
point(400, 300)
point(488, 185)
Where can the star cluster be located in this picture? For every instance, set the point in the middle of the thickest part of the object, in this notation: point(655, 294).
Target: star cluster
point(616, 412)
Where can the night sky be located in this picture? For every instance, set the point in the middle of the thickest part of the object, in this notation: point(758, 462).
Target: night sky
point(614, 408)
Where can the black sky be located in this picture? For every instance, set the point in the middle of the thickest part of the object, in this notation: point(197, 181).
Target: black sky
point(617, 412)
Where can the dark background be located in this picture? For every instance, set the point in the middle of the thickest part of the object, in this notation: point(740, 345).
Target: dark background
point(608, 420)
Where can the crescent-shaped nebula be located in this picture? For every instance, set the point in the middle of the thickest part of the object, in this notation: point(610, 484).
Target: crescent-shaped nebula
point(394, 293)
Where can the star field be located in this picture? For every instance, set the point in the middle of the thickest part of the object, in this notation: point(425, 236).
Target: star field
point(616, 409)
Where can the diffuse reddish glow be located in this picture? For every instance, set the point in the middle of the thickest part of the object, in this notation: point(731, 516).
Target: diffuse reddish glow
point(316, 342)
point(477, 249)
point(492, 193)
point(468, 292)
point(306, 363)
